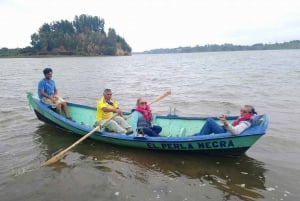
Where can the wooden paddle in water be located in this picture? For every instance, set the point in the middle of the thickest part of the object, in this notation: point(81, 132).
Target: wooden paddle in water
point(60, 155)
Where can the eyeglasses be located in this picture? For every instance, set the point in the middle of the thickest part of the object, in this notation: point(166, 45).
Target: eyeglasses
point(244, 111)
point(142, 103)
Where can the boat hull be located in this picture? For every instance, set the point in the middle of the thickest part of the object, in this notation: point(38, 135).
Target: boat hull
point(215, 144)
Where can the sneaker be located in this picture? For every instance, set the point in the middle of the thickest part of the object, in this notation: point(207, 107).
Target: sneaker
point(140, 131)
point(129, 132)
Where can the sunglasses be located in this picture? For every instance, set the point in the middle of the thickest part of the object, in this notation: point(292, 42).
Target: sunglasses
point(142, 103)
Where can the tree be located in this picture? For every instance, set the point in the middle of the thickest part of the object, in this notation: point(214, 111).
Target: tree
point(84, 36)
point(86, 23)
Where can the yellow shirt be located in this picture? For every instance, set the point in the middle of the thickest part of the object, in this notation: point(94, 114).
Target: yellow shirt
point(100, 105)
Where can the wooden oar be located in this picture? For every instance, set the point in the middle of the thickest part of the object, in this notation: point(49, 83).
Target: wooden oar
point(161, 97)
point(155, 100)
point(60, 155)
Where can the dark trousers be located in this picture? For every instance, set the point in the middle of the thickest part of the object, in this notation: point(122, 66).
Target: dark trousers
point(152, 131)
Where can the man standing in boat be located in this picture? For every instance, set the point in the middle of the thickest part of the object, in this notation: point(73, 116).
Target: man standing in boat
point(48, 93)
point(106, 106)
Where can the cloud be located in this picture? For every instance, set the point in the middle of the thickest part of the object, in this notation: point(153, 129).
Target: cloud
point(160, 23)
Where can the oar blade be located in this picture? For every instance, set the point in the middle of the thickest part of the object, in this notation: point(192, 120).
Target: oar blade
point(60, 155)
point(64, 152)
point(55, 158)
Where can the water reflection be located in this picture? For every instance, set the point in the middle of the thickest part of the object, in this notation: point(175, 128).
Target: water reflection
point(241, 177)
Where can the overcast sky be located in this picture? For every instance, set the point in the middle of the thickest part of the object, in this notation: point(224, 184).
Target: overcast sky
point(150, 24)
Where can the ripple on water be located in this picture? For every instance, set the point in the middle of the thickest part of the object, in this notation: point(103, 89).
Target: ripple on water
point(201, 84)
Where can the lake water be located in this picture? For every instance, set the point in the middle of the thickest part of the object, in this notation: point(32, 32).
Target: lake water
point(202, 84)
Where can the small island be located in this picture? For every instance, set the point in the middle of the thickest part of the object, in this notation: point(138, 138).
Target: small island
point(84, 36)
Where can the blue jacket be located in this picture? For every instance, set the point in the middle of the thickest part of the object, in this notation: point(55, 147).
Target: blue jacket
point(138, 120)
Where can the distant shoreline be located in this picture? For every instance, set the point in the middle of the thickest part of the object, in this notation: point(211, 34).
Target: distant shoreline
point(295, 44)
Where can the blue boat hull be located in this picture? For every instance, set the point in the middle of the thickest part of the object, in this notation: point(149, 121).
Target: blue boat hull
point(217, 144)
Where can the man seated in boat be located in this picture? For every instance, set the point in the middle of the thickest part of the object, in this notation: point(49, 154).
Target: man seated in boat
point(106, 106)
point(238, 126)
point(48, 93)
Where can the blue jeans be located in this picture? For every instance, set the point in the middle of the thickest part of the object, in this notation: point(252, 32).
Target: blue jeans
point(211, 126)
point(152, 131)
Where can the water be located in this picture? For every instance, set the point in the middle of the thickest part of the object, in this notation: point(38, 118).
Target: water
point(202, 84)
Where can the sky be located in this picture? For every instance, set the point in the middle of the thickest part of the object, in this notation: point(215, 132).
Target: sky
point(152, 24)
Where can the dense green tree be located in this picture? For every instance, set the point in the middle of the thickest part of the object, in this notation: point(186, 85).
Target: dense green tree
point(44, 36)
point(35, 41)
point(109, 47)
point(84, 36)
point(86, 23)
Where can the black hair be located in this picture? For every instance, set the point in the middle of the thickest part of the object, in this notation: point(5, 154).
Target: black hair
point(47, 70)
point(251, 109)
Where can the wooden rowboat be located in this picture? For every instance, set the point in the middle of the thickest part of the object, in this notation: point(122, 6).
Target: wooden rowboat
point(179, 134)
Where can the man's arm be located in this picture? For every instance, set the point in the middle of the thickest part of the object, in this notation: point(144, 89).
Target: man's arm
point(55, 92)
point(236, 130)
point(110, 109)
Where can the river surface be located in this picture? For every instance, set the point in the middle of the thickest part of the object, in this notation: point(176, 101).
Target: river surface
point(202, 84)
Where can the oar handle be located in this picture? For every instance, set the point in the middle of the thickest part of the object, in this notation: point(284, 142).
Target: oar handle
point(160, 97)
point(155, 100)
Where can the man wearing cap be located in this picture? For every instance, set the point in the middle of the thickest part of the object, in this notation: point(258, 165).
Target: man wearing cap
point(48, 93)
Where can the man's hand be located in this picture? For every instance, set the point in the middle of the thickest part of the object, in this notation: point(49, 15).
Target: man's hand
point(118, 111)
point(54, 99)
point(223, 120)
